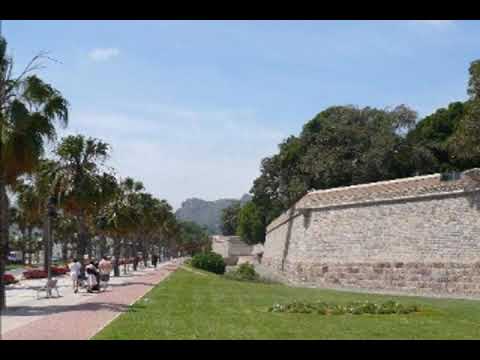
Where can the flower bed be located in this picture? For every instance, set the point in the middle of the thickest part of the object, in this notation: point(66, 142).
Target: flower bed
point(9, 279)
point(35, 274)
point(41, 274)
point(355, 308)
point(57, 270)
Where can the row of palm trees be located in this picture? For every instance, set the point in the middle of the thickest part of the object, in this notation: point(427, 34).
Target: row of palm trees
point(97, 210)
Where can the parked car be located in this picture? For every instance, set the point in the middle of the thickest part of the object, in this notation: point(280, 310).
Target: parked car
point(15, 257)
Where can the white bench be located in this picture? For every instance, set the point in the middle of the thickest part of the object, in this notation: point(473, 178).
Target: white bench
point(48, 288)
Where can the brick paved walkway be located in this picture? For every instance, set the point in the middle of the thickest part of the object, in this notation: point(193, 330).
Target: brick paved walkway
point(83, 320)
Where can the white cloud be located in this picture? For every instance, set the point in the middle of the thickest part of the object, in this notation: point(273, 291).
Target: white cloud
point(103, 54)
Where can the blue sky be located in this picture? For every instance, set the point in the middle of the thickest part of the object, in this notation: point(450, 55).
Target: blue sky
point(191, 107)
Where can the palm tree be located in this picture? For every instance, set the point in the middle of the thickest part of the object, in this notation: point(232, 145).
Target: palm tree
point(119, 218)
point(170, 235)
point(152, 214)
point(65, 228)
point(28, 109)
point(29, 213)
point(108, 187)
point(79, 180)
point(19, 241)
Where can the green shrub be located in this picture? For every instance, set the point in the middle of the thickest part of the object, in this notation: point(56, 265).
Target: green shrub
point(244, 272)
point(209, 261)
point(355, 308)
point(338, 310)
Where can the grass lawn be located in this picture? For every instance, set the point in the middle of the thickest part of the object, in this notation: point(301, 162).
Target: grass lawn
point(13, 266)
point(205, 306)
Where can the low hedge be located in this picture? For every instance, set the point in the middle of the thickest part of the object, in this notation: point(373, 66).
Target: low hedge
point(355, 308)
point(209, 261)
point(244, 272)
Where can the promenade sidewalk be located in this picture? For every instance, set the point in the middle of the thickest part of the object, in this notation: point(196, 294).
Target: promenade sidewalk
point(75, 316)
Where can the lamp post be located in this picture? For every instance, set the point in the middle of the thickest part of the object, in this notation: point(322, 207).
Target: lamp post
point(51, 215)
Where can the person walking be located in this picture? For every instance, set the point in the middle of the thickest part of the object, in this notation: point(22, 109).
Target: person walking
point(97, 274)
point(154, 260)
point(75, 267)
point(92, 276)
point(105, 268)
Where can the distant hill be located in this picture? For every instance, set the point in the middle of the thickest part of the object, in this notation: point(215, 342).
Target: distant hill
point(206, 213)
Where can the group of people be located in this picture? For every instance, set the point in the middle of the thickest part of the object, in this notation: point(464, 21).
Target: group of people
point(90, 274)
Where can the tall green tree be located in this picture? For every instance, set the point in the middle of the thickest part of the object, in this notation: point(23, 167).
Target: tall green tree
point(192, 237)
point(465, 144)
point(229, 219)
point(473, 89)
point(151, 213)
point(119, 217)
point(433, 136)
point(30, 207)
point(170, 235)
point(79, 178)
point(250, 226)
point(342, 145)
point(29, 108)
point(346, 145)
point(65, 228)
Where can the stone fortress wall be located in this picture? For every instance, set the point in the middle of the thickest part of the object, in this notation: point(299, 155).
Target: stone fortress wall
point(418, 235)
point(234, 250)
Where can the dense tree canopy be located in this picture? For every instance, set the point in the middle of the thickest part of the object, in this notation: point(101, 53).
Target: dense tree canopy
point(342, 145)
point(474, 81)
point(250, 226)
point(346, 145)
point(230, 219)
point(192, 237)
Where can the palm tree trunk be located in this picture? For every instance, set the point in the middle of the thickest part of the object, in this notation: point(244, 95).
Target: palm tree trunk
point(103, 245)
point(135, 251)
point(23, 245)
point(64, 251)
point(116, 254)
point(145, 252)
point(90, 249)
point(3, 237)
point(29, 247)
point(82, 236)
point(45, 244)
